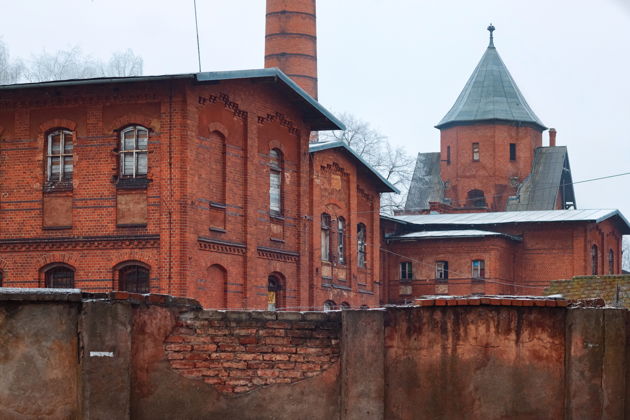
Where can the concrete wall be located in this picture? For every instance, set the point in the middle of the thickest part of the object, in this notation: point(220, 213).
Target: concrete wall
point(159, 357)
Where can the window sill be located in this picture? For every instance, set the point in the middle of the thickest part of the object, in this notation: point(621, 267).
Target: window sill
point(141, 183)
point(56, 227)
point(217, 205)
point(132, 225)
point(278, 240)
point(58, 186)
point(217, 230)
point(276, 217)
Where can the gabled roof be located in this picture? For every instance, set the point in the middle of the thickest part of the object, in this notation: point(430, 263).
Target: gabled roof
point(452, 234)
point(385, 185)
point(316, 115)
point(490, 94)
point(426, 184)
point(496, 218)
point(550, 176)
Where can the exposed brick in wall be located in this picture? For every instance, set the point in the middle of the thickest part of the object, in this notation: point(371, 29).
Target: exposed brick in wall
point(239, 351)
point(614, 290)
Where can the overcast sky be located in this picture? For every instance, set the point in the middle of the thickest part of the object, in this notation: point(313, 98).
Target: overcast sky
point(398, 64)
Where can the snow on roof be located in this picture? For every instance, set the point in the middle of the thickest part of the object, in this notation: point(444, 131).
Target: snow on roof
point(448, 234)
point(544, 216)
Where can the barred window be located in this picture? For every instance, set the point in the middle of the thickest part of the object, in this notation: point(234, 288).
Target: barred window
point(59, 156)
point(341, 239)
point(325, 237)
point(478, 269)
point(134, 278)
point(406, 270)
point(275, 181)
point(59, 277)
point(361, 245)
point(134, 150)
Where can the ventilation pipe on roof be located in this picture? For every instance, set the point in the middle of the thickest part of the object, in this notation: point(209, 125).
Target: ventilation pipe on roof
point(552, 137)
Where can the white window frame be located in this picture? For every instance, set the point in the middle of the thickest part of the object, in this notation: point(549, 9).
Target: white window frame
point(275, 182)
point(325, 236)
point(361, 245)
point(136, 152)
point(441, 270)
point(406, 271)
point(63, 174)
point(341, 239)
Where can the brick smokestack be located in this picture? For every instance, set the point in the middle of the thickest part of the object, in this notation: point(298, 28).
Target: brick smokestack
point(291, 41)
point(552, 137)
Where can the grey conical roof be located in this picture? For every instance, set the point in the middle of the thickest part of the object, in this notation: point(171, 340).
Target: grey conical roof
point(490, 95)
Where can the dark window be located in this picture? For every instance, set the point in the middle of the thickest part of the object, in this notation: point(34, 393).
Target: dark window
point(441, 270)
point(325, 237)
point(274, 287)
point(344, 306)
point(361, 245)
point(448, 155)
point(275, 181)
point(330, 305)
point(594, 258)
point(341, 240)
point(134, 279)
point(60, 277)
point(476, 198)
point(406, 270)
point(59, 156)
point(475, 152)
point(478, 269)
point(611, 262)
point(134, 151)
point(1, 277)
point(512, 151)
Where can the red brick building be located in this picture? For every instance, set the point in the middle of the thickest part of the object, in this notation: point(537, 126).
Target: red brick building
point(197, 185)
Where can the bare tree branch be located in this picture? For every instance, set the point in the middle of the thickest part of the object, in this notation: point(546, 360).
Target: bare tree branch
point(394, 164)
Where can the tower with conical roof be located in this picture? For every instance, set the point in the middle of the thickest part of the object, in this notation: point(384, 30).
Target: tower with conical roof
point(491, 142)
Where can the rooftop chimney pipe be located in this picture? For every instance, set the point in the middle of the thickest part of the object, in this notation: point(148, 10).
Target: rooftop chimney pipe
point(552, 137)
point(291, 41)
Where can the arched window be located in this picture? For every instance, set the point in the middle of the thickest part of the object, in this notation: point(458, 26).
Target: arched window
point(1, 277)
point(361, 245)
point(594, 258)
point(611, 261)
point(134, 278)
point(60, 277)
point(476, 198)
point(330, 305)
point(134, 150)
point(275, 181)
point(341, 240)
point(344, 306)
point(60, 146)
point(325, 237)
point(274, 288)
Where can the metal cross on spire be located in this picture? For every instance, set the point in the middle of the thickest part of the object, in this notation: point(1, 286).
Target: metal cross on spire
point(491, 28)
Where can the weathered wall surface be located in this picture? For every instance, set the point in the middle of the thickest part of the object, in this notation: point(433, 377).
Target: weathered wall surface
point(614, 289)
point(38, 358)
point(64, 354)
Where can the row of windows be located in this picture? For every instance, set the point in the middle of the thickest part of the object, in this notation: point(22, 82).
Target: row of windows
point(477, 270)
point(131, 278)
point(133, 153)
point(595, 261)
point(476, 154)
point(340, 255)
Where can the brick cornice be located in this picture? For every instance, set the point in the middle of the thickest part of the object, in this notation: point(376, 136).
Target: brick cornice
point(84, 242)
point(224, 247)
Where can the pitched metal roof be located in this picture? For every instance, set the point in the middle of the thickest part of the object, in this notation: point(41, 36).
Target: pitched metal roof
point(386, 186)
point(550, 176)
point(490, 95)
point(318, 116)
point(452, 234)
point(426, 184)
point(495, 218)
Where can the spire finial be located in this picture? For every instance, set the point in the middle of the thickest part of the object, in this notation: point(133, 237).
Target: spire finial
point(491, 29)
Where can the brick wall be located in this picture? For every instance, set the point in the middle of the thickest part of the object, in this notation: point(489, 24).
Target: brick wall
point(239, 351)
point(614, 290)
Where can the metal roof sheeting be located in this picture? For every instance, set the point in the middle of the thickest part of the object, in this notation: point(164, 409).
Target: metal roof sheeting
point(452, 234)
point(546, 216)
point(426, 184)
point(326, 145)
point(491, 94)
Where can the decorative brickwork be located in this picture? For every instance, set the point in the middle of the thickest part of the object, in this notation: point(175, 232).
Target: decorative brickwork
point(240, 351)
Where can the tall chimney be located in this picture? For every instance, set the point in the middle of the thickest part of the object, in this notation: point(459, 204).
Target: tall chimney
point(552, 137)
point(291, 41)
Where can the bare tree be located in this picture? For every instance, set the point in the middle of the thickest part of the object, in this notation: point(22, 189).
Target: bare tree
point(393, 163)
point(67, 64)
